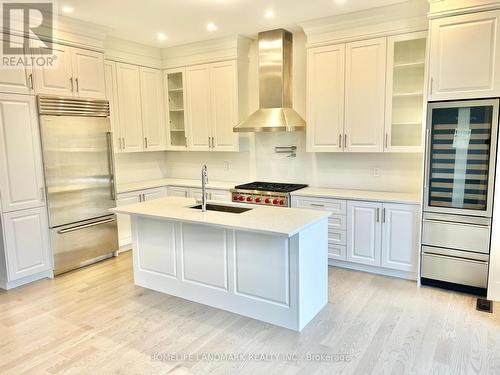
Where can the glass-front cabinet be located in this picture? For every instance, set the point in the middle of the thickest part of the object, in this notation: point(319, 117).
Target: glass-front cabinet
point(405, 92)
point(176, 95)
point(461, 152)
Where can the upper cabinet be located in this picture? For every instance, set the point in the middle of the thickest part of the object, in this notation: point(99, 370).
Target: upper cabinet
point(137, 107)
point(16, 80)
point(366, 96)
point(405, 92)
point(463, 63)
point(211, 99)
point(175, 88)
point(76, 72)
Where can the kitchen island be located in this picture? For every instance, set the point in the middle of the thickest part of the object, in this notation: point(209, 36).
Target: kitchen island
point(267, 263)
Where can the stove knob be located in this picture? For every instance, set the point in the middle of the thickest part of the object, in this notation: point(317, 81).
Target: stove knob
point(282, 202)
point(257, 200)
point(267, 200)
point(249, 199)
point(241, 198)
point(235, 197)
point(275, 201)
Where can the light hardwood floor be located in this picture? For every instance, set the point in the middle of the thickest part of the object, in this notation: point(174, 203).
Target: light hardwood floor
point(96, 321)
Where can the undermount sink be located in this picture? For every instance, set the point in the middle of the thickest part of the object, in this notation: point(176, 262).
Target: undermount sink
point(222, 208)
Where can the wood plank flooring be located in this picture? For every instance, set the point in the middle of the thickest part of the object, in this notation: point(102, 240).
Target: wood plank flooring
point(96, 321)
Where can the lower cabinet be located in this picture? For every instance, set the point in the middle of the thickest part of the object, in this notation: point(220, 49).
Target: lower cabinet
point(370, 236)
point(124, 199)
point(26, 244)
point(217, 195)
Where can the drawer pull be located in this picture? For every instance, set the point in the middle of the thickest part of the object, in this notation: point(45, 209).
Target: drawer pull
point(317, 205)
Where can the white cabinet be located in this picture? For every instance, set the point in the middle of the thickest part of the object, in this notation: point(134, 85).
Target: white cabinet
point(217, 195)
point(213, 107)
point(18, 80)
point(26, 243)
point(365, 95)
point(463, 60)
point(198, 107)
point(325, 98)
point(21, 182)
point(153, 116)
point(128, 84)
point(124, 199)
point(175, 85)
point(178, 191)
point(400, 237)
point(137, 107)
point(88, 73)
point(364, 230)
point(76, 72)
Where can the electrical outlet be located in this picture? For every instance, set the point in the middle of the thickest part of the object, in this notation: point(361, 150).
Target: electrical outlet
point(376, 172)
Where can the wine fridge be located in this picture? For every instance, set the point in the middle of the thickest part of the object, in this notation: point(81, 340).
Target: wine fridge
point(461, 148)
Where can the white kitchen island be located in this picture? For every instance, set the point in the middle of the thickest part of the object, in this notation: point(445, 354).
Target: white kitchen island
point(269, 263)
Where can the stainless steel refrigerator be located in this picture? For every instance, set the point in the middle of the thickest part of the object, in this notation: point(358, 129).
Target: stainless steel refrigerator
point(459, 188)
point(79, 177)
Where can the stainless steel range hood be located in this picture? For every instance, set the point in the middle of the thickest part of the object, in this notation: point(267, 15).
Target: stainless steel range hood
point(275, 87)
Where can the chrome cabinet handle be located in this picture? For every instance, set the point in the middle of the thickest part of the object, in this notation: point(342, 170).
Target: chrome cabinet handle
point(72, 229)
point(383, 215)
point(213, 142)
point(378, 215)
point(145, 142)
point(77, 85)
point(345, 140)
point(209, 143)
point(30, 79)
point(386, 140)
point(71, 81)
point(340, 140)
point(111, 170)
point(317, 205)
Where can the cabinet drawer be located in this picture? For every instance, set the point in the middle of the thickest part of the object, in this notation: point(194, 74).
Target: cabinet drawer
point(336, 252)
point(337, 237)
point(337, 222)
point(459, 236)
point(335, 206)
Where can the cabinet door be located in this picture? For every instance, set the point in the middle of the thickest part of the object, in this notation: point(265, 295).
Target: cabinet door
point(325, 93)
point(365, 95)
point(364, 232)
point(399, 237)
point(88, 73)
point(21, 182)
point(463, 57)
point(129, 107)
point(224, 103)
point(27, 242)
point(58, 79)
point(112, 96)
point(152, 194)
point(123, 221)
point(198, 107)
point(219, 195)
point(175, 84)
point(153, 115)
point(16, 80)
point(178, 191)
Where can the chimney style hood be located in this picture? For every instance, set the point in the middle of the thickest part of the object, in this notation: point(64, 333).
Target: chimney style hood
point(275, 87)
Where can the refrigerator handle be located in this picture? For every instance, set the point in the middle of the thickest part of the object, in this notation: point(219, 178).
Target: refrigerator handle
point(78, 227)
point(426, 156)
point(111, 169)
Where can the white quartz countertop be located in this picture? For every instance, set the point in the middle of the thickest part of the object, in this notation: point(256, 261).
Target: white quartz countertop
point(141, 185)
point(364, 195)
point(271, 220)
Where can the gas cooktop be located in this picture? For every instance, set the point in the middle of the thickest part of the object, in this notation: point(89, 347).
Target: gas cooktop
point(271, 187)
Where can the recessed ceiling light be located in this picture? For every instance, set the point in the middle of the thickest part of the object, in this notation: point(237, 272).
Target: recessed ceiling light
point(269, 13)
point(211, 26)
point(161, 36)
point(67, 9)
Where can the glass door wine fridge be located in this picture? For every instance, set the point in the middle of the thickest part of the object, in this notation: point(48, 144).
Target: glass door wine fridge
point(461, 148)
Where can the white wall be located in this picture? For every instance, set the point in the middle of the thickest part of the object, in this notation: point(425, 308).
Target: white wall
point(257, 161)
point(139, 166)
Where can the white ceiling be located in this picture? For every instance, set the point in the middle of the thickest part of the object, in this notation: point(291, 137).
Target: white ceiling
point(185, 21)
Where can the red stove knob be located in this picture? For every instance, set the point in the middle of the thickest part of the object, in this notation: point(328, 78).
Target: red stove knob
point(267, 200)
point(257, 200)
point(241, 199)
point(249, 199)
point(275, 201)
point(282, 202)
point(235, 197)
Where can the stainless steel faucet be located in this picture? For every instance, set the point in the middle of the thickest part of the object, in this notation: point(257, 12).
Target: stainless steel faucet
point(204, 181)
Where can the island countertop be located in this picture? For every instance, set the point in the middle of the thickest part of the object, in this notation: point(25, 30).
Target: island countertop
point(271, 220)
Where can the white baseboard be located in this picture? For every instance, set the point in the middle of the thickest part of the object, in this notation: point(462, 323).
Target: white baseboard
point(7, 285)
point(373, 269)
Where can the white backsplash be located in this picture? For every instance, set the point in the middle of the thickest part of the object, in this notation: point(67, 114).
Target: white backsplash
point(140, 166)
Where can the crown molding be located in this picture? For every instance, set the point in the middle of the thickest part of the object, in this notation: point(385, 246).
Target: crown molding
point(121, 50)
point(399, 18)
point(213, 50)
point(447, 8)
